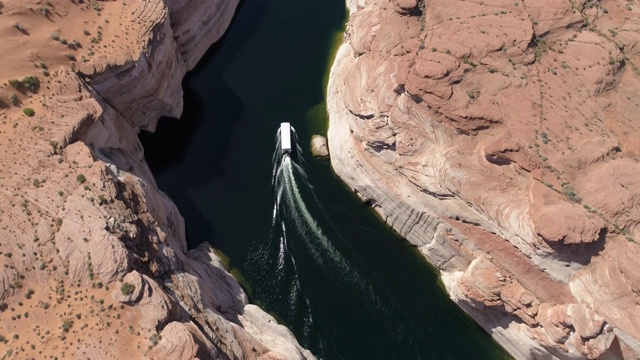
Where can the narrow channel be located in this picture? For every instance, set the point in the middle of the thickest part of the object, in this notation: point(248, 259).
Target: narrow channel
point(303, 246)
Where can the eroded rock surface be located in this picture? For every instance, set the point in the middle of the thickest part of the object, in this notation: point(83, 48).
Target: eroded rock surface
point(499, 137)
point(91, 250)
point(319, 146)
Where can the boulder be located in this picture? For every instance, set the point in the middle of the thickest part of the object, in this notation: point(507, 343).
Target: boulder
point(319, 146)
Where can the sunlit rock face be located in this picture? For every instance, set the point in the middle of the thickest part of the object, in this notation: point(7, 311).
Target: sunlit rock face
point(83, 226)
point(498, 137)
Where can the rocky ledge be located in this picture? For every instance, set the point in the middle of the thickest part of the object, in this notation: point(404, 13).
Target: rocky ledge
point(93, 256)
point(500, 138)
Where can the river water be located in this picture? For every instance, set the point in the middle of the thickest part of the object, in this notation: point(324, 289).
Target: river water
point(301, 244)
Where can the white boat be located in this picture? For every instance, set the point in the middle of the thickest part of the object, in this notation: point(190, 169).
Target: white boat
point(285, 138)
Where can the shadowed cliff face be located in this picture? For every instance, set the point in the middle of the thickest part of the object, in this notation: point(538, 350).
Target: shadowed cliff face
point(495, 136)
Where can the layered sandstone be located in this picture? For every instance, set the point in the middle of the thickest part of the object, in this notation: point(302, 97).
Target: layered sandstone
point(499, 137)
point(93, 257)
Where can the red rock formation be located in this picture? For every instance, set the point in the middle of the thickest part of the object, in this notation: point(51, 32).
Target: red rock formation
point(81, 216)
point(497, 136)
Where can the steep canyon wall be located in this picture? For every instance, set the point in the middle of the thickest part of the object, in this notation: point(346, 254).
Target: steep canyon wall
point(97, 250)
point(499, 138)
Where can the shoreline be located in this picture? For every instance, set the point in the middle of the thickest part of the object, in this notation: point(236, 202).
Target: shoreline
point(460, 239)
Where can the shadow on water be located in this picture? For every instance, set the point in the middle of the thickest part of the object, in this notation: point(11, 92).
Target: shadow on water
point(180, 134)
point(349, 287)
point(172, 140)
point(222, 52)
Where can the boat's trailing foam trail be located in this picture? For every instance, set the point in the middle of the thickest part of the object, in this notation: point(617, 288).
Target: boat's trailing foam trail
point(290, 181)
point(298, 234)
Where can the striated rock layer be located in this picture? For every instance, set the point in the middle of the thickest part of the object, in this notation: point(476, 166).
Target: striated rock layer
point(90, 246)
point(500, 138)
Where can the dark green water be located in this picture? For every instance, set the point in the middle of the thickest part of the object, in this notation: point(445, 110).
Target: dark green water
point(347, 286)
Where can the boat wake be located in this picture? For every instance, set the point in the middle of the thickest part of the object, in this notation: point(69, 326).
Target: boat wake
point(291, 184)
point(305, 255)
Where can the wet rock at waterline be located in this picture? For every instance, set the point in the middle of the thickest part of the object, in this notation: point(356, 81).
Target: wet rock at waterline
point(319, 146)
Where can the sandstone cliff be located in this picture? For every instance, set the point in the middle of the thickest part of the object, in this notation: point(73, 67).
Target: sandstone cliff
point(500, 138)
point(93, 257)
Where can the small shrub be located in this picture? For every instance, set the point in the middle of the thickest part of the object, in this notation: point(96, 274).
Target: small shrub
point(29, 293)
point(31, 82)
point(570, 193)
point(15, 83)
point(469, 62)
point(18, 26)
point(67, 324)
point(154, 339)
point(86, 32)
point(473, 94)
point(545, 137)
point(64, 42)
point(55, 36)
point(14, 99)
point(127, 289)
point(81, 178)
point(29, 112)
point(45, 11)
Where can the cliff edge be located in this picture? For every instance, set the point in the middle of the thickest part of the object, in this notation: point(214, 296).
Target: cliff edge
point(93, 257)
point(500, 138)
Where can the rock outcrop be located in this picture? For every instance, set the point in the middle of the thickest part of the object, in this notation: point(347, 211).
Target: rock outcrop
point(499, 138)
point(82, 221)
point(319, 147)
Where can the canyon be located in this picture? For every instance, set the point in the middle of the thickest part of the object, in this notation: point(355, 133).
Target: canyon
point(93, 256)
point(498, 137)
point(495, 136)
